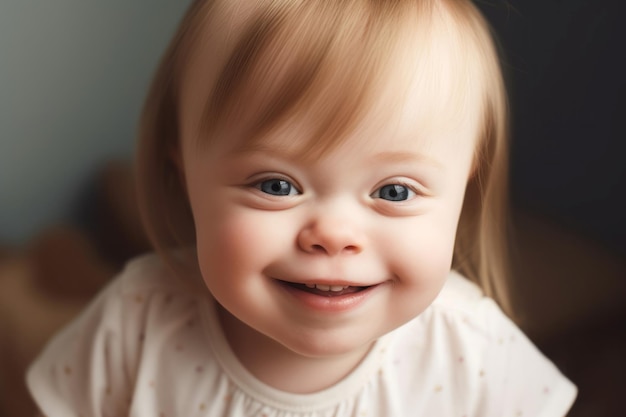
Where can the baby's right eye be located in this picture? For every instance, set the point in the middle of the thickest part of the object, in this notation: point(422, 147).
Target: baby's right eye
point(277, 187)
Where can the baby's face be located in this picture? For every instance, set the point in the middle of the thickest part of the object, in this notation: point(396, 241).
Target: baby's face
point(324, 255)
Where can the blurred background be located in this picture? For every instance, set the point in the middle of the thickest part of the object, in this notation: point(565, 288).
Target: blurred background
point(73, 75)
point(565, 65)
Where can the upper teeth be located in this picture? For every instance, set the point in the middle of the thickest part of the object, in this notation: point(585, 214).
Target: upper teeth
point(323, 287)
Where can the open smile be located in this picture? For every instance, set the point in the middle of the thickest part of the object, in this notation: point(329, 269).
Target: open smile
point(325, 289)
point(327, 297)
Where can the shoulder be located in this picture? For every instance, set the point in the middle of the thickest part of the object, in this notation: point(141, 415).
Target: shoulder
point(147, 280)
point(461, 326)
point(147, 273)
point(95, 361)
point(461, 295)
point(462, 314)
point(463, 301)
point(480, 358)
point(122, 305)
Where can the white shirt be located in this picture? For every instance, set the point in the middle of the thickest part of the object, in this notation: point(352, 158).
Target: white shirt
point(148, 347)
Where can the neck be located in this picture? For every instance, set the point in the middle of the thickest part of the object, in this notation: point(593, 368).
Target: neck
point(281, 368)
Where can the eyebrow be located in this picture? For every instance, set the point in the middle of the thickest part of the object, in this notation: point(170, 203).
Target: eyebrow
point(389, 157)
point(406, 157)
point(256, 147)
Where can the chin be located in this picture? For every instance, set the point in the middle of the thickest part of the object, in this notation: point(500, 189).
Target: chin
point(327, 346)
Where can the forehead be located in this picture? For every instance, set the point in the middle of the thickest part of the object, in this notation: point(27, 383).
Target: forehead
point(250, 83)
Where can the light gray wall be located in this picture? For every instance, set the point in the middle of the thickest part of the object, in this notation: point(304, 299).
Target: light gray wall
point(73, 75)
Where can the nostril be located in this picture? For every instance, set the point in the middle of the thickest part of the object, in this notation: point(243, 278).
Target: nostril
point(346, 249)
point(351, 248)
point(318, 248)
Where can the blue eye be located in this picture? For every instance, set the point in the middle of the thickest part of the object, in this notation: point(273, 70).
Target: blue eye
point(394, 192)
point(277, 187)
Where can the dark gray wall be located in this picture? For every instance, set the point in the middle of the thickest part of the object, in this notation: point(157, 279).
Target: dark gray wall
point(566, 65)
point(73, 75)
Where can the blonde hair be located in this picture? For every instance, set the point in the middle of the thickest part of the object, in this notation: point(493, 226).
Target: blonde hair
point(334, 58)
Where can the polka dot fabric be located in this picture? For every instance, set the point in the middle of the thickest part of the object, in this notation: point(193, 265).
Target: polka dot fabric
point(149, 347)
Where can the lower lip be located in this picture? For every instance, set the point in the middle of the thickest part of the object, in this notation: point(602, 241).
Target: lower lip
point(330, 303)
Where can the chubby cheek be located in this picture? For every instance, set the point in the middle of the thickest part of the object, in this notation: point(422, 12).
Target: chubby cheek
point(233, 249)
point(421, 260)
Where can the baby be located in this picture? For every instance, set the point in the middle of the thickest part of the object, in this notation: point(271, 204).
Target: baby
point(324, 182)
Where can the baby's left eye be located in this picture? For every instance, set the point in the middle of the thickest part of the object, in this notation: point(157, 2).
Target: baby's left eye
point(394, 192)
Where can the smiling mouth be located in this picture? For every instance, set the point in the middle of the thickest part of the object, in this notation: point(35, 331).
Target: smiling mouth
point(326, 290)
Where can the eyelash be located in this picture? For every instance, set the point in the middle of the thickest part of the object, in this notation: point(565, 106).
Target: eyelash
point(411, 191)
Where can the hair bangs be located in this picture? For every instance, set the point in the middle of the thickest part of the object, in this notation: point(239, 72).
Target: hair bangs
point(320, 63)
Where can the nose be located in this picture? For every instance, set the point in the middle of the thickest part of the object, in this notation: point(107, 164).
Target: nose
point(331, 236)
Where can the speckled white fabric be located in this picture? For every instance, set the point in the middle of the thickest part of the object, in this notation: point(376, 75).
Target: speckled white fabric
point(148, 348)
